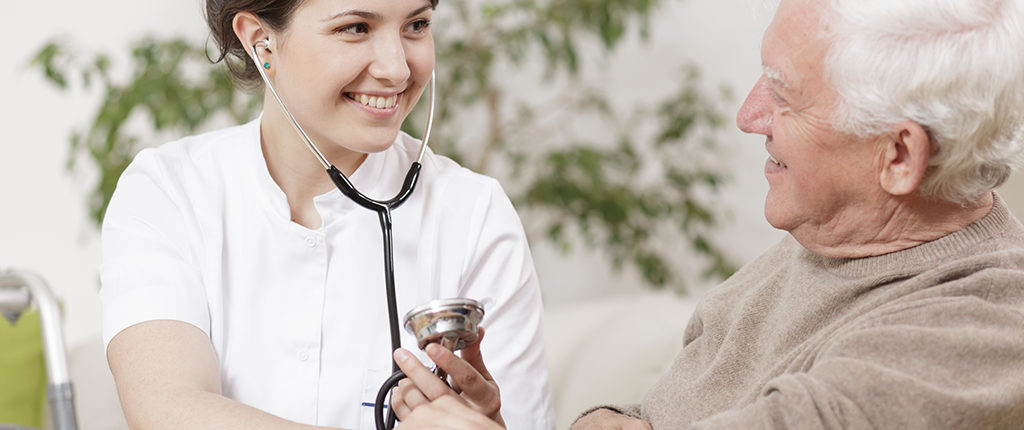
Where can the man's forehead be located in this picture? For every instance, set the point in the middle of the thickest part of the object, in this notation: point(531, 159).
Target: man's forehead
point(792, 50)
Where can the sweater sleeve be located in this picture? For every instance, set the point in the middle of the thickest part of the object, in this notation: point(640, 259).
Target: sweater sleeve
point(953, 361)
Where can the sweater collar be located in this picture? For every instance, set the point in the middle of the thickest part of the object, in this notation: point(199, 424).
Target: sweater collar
point(998, 222)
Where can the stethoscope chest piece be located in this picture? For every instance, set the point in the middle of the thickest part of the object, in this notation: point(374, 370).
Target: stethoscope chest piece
point(451, 322)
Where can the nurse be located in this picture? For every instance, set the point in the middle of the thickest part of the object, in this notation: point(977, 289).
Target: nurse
point(241, 289)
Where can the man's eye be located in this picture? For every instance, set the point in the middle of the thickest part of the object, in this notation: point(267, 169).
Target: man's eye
point(778, 100)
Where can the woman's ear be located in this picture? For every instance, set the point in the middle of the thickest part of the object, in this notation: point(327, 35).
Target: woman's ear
point(249, 30)
point(905, 158)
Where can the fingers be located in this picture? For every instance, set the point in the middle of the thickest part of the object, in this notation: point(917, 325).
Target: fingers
point(471, 353)
point(405, 398)
point(478, 388)
point(428, 384)
point(472, 379)
point(448, 413)
point(461, 372)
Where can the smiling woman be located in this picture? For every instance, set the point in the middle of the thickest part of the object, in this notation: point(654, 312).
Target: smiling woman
point(242, 290)
point(219, 16)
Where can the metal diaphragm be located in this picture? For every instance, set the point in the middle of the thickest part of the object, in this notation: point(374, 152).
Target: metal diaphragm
point(451, 322)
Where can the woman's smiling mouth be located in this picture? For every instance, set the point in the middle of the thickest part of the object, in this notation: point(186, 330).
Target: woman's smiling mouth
point(377, 102)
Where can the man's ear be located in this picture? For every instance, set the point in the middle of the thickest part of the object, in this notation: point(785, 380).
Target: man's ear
point(904, 158)
point(249, 30)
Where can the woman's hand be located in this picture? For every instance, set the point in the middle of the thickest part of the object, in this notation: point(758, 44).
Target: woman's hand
point(607, 419)
point(448, 413)
point(478, 392)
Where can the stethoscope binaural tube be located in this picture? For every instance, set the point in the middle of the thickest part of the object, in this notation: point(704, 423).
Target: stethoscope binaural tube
point(382, 207)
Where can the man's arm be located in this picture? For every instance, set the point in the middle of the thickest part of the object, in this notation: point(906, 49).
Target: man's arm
point(940, 362)
point(167, 378)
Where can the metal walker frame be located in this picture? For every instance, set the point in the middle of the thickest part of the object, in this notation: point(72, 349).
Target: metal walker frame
point(19, 289)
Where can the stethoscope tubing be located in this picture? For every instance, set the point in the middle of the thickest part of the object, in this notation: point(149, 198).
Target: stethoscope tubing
point(383, 209)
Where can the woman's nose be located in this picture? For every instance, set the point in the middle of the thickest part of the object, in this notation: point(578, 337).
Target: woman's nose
point(755, 114)
point(390, 63)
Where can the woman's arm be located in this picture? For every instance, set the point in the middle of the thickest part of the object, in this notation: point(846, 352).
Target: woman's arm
point(167, 378)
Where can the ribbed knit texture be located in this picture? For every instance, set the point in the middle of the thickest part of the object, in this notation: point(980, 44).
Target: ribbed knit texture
point(931, 337)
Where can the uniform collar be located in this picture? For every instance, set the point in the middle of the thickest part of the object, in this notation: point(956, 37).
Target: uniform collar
point(368, 178)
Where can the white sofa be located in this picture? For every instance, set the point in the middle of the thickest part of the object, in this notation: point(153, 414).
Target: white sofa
point(610, 351)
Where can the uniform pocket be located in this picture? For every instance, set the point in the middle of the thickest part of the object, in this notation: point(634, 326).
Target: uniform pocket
point(372, 381)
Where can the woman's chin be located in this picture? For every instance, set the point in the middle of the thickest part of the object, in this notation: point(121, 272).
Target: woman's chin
point(380, 142)
point(368, 141)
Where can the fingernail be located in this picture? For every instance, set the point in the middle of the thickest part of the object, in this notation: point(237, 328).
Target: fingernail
point(402, 356)
point(433, 349)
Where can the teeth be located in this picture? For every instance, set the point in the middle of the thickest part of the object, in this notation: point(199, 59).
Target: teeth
point(376, 102)
point(779, 163)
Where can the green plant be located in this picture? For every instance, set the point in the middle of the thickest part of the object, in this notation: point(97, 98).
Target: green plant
point(632, 179)
point(172, 88)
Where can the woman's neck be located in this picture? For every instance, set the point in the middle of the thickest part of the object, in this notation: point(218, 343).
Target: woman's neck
point(295, 169)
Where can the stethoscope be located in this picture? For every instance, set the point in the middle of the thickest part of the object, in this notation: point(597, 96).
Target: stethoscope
point(383, 208)
point(451, 322)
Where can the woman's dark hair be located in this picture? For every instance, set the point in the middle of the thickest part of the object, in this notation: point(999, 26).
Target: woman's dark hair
point(220, 15)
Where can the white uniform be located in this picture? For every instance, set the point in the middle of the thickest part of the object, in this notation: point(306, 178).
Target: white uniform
point(198, 231)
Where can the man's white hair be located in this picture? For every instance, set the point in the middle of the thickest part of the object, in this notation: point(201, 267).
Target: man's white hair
point(956, 67)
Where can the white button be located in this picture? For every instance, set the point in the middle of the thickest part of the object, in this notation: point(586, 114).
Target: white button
point(303, 355)
point(311, 241)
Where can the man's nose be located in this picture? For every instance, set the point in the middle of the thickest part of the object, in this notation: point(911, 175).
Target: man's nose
point(755, 115)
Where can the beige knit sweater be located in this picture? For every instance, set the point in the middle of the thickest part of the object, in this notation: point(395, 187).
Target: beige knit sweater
point(930, 337)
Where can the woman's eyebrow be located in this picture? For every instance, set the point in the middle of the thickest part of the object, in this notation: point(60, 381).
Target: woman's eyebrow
point(372, 15)
point(355, 12)
point(420, 10)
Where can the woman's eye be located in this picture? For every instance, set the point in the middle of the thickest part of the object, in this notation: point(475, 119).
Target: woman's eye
point(360, 28)
point(419, 26)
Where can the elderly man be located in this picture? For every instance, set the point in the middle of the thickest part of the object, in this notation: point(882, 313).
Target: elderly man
point(897, 300)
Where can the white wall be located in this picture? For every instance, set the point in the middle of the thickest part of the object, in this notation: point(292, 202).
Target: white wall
point(43, 224)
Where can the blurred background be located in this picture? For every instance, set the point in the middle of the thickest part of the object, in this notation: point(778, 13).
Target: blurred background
point(609, 123)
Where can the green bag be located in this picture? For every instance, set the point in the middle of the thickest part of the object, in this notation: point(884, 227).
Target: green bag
point(22, 372)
